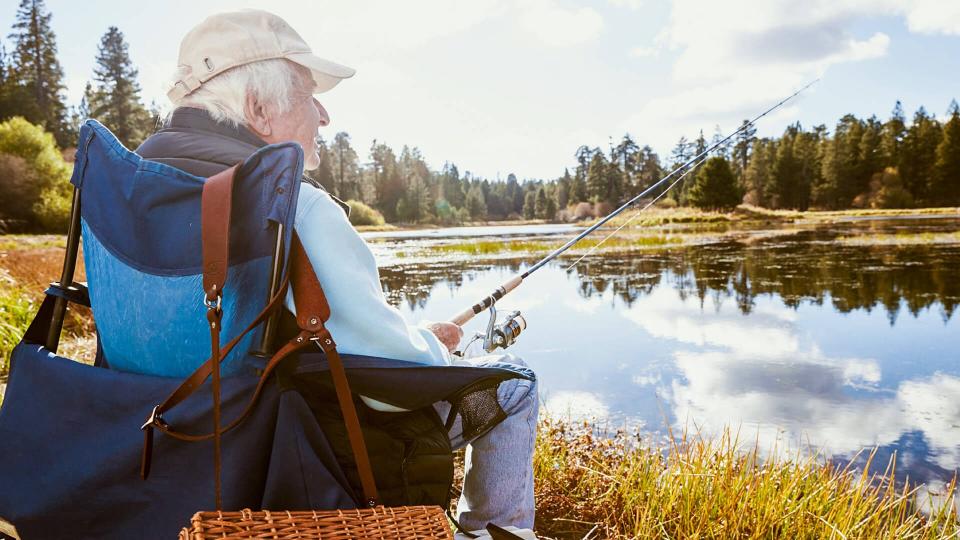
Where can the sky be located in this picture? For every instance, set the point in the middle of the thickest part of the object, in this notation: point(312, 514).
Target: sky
point(499, 87)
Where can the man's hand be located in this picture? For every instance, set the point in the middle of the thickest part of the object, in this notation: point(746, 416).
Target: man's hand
point(448, 333)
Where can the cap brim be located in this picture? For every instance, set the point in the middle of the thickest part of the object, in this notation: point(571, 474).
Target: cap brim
point(326, 74)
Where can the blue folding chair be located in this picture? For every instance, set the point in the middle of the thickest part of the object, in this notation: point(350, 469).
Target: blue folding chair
point(72, 447)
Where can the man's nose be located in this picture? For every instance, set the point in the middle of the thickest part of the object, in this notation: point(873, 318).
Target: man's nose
point(324, 117)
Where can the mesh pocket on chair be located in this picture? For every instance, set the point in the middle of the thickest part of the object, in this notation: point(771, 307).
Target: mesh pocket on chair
point(479, 411)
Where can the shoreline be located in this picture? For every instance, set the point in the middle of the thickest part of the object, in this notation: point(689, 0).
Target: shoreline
point(743, 213)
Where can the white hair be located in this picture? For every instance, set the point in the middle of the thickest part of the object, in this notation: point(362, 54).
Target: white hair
point(273, 81)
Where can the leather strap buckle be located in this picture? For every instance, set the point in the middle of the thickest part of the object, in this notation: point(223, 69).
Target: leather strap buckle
point(324, 340)
point(155, 419)
point(213, 299)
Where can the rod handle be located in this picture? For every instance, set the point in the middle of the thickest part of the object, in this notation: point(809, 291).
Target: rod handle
point(464, 316)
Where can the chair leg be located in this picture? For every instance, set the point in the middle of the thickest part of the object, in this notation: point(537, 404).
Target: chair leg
point(66, 276)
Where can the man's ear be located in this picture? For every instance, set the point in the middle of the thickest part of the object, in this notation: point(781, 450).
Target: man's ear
point(258, 120)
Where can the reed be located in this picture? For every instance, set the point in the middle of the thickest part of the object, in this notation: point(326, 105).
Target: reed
point(597, 486)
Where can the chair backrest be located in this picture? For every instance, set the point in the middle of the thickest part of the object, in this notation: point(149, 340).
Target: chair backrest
point(142, 251)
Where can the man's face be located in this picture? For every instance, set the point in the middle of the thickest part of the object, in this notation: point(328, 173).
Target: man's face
point(300, 124)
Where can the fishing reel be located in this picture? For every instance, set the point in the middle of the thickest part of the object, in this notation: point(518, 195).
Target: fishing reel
point(502, 334)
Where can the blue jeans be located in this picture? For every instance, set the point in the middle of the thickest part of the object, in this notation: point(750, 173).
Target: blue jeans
point(498, 481)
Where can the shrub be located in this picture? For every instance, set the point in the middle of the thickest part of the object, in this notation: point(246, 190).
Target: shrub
point(887, 190)
point(667, 202)
point(715, 186)
point(18, 182)
point(361, 214)
point(583, 210)
point(602, 208)
point(43, 194)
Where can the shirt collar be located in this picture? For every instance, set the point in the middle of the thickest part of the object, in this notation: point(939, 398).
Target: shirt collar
point(193, 118)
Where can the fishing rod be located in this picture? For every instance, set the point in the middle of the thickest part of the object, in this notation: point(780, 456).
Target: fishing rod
point(505, 334)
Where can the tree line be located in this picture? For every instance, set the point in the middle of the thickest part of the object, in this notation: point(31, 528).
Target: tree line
point(32, 82)
point(861, 163)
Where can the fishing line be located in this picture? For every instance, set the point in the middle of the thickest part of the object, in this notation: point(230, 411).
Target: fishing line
point(684, 169)
point(645, 192)
point(634, 216)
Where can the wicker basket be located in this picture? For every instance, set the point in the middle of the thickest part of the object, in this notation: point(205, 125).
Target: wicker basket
point(400, 523)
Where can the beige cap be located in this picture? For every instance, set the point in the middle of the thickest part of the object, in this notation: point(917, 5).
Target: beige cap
point(228, 40)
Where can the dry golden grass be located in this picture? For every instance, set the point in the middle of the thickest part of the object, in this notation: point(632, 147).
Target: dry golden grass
point(27, 266)
point(613, 487)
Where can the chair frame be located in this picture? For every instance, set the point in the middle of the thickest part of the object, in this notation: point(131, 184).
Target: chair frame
point(68, 272)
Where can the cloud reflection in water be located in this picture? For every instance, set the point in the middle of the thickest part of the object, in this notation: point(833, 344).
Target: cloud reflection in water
point(760, 373)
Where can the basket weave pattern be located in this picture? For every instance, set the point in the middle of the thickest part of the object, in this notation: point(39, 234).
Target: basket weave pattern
point(403, 522)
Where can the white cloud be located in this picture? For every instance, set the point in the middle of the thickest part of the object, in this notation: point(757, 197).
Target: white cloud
point(644, 52)
point(628, 4)
point(576, 405)
point(933, 16)
point(734, 59)
point(755, 372)
point(558, 26)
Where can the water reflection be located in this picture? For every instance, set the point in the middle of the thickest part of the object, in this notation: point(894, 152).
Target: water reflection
point(797, 341)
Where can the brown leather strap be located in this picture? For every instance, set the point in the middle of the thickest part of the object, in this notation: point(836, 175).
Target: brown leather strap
point(312, 312)
point(215, 204)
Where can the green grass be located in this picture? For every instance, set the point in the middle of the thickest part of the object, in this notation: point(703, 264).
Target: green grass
point(901, 239)
point(613, 487)
point(14, 242)
point(16, 311)
point(520, 247)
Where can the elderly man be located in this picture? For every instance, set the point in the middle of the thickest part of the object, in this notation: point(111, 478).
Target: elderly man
point(247, 79)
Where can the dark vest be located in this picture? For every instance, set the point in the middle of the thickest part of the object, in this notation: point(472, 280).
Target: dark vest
point(410, 452)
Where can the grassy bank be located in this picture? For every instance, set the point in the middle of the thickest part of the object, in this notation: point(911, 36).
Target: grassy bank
point(28, 263)
point(612, 487)
point(592, 485)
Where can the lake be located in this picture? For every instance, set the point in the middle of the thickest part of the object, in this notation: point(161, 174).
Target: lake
point(835, 337)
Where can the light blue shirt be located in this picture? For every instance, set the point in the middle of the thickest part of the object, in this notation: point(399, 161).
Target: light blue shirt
point(361, 320)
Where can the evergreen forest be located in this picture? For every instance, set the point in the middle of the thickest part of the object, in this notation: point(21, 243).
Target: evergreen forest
point(900, 161)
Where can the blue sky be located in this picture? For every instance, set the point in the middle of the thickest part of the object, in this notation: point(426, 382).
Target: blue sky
point(500, 86)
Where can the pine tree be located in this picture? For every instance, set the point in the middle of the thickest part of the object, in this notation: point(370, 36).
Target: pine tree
point(6, 86)
point(4, 61)
point(945, 188)
point(624, 155)
point(715, 187)
point(891, 138)
point(597, 178)
point(115, 99)
point(323, 174)
point(578, 189)
point(741, 149)
point(346, 171)
point(530, 204)
point(757, 177)
point(418, 205)
point(841, 165)
point(451, 188)
point(540, 204)
point(564, 184)
point(387, 184)
point(680, 154)
point(648, 170)
point(870, 154)
point(476, 204)
point(551, 208)
point(36, 71)
point(918, 155)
